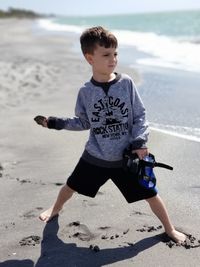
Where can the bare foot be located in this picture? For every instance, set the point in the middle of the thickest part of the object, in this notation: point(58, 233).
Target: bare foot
point(177, 236)
point(49, 214)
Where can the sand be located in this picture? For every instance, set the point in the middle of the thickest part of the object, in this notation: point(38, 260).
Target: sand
point(40, 74)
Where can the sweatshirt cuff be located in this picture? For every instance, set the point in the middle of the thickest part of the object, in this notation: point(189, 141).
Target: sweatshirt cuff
point(138, 144)
point(51, 123)
point(55, 123)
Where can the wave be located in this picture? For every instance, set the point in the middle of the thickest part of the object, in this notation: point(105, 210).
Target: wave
point(160, 51)
point(187, 133)
point(50, 25)
point(164, 51)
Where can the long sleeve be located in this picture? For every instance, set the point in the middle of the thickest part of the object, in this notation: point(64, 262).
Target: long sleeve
point(140, 130)
point(78, 123)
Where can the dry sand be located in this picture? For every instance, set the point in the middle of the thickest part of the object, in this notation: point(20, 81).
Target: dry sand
point(39, 74)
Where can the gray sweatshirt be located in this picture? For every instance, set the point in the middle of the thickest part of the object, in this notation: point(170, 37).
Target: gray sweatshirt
point(115, 116)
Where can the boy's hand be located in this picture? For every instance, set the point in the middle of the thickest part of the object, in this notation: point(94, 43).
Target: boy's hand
point(41, 120)
point(142, 152)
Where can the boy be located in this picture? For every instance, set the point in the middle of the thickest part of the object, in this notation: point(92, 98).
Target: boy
point(110, 106)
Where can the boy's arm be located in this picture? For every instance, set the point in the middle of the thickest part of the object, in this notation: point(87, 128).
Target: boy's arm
point(73, 124)
point(140, 129)
point(78, 123)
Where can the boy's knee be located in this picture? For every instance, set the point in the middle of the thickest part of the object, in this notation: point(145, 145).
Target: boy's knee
point(152, 199)
point(68, 189)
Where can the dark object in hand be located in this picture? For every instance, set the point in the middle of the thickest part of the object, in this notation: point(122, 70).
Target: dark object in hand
point(40, 119)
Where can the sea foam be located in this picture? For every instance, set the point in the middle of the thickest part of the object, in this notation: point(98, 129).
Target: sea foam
point(187, 133)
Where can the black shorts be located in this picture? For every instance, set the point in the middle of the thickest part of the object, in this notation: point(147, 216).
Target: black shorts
point(87, 178)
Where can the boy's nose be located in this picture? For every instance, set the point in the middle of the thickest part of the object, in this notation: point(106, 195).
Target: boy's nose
point(113, 59)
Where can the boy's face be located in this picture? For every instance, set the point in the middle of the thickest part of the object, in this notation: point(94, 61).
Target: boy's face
point(103, 60)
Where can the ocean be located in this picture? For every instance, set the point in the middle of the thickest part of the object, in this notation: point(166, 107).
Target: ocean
point(164, 48)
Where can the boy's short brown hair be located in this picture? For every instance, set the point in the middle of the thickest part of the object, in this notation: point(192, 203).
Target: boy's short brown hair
point(97, 36)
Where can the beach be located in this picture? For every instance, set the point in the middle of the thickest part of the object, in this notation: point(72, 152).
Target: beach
point(40, 74)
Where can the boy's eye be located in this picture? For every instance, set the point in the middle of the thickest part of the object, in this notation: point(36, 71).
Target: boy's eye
point(107, 55)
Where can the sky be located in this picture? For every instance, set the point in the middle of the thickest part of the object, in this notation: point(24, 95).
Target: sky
point(100, 7)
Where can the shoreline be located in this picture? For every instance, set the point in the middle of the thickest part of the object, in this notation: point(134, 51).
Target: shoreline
point(182, 136)
point(40, 75)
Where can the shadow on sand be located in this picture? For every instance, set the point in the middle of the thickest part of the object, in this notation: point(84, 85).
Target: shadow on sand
point(56, 253)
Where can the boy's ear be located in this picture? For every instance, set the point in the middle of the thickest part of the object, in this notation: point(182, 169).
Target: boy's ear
point(89, 58)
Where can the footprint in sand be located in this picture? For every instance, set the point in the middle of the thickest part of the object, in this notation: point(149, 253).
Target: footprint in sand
point(23, 181)
point(135, 212)
point(149, 229)
point(110, 234)
point(32, 213)
point(31, 240)
point(81, 231)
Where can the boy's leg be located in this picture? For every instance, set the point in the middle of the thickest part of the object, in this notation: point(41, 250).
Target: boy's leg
point(159, 209)
point(65, 194)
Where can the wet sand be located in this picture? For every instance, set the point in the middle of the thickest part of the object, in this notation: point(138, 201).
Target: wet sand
point(39, 74)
